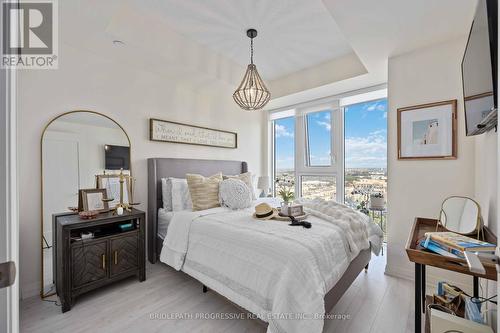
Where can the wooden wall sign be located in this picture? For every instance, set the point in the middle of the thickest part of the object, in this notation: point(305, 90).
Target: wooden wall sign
point(169, 131)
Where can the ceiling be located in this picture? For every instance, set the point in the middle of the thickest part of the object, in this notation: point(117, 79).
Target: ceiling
point(303, 45)
point(292, 34)
point(381, 29)
point(394, 27)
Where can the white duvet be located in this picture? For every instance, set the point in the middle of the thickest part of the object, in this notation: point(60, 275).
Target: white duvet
point(278, 272)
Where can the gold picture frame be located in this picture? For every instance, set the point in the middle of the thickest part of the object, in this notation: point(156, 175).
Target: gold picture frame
point(422, 146)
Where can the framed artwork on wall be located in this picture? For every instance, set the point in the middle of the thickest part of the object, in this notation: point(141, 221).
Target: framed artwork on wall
point(428, 131)
point(169, 131)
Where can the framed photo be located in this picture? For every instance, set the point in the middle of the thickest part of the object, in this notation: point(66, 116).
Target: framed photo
point(169, 131)
point(111, 184)
point(92, 199)
point(428, 131)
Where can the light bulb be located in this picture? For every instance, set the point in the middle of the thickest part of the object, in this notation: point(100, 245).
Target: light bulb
point(252, 92)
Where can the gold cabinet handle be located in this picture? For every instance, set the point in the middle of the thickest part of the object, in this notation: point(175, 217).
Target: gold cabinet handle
point(116, 257)
point(103, 261)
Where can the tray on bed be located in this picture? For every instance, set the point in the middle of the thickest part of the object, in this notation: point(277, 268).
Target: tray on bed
point(285, 218)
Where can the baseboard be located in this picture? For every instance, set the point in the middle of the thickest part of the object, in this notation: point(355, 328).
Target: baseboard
point(431, 279)
point(400, 273)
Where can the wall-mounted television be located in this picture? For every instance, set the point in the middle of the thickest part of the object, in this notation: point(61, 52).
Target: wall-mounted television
point(479, 69)
point(117, 157)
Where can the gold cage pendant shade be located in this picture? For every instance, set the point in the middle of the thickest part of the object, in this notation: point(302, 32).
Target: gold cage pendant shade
point(252, 93)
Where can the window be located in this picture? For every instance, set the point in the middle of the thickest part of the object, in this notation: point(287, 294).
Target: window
point(284, 148)
point(365, 152)
point(319, 143)
point(323, 187)
point(335, 150)
point(303, 150)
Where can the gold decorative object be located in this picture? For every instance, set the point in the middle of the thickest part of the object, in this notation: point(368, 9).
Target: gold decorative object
point(123, 179)
point(88, 214)
point(111, 182)
point(121, 204)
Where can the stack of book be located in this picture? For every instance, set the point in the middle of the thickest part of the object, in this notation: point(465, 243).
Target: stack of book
point(454, 245)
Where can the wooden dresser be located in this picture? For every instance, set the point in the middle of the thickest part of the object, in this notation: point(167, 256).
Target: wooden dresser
point(112, 254)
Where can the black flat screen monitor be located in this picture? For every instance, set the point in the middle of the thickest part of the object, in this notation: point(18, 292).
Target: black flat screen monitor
point(117, 157)
point(479, 66)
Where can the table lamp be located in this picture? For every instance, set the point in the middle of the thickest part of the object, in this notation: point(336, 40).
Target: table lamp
point(263, 184)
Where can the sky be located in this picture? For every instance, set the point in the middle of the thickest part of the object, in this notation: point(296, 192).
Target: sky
point(365, 137)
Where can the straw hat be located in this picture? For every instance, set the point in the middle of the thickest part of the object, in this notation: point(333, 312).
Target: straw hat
point(264, 212)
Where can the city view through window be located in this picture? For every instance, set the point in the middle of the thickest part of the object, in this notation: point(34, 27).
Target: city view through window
point(365, 152)
point(365, 160)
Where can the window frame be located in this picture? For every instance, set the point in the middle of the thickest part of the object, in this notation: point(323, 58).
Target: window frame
point(272, 117)
point(338, 104)
point(335, 169)
point(301, 167)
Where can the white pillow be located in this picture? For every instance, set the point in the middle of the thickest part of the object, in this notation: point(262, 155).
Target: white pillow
point(246, 178)
point(166, 193)
point(235, 194)
point(181, 200)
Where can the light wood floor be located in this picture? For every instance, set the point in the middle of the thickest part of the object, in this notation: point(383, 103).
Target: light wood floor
point(374, 303)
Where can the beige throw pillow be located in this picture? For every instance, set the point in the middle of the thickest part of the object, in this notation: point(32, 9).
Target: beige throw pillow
point(245, 178)
point(204, 191)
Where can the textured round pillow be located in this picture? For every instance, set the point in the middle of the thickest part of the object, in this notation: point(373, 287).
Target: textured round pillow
point(235, 194)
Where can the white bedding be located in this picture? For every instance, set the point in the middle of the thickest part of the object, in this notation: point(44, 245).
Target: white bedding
point(164, 218)
point(278, 272)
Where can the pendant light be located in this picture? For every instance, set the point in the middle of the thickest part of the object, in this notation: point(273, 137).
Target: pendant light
point(252, 93)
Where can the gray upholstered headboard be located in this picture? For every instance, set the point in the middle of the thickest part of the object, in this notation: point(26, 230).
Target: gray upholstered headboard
point(159, 168)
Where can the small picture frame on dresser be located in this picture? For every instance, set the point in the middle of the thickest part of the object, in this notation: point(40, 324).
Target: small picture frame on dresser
point(93, 200)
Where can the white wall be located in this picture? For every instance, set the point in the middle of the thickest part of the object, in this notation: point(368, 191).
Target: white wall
point(102, 82)
point(486, 180)
point(486, 192)
point(417, 188)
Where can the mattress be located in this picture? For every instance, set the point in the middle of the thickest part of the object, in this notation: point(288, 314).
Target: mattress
point(164, 218)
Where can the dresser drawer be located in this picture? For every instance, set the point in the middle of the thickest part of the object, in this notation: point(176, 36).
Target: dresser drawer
point(89, 263)
point(124, 253)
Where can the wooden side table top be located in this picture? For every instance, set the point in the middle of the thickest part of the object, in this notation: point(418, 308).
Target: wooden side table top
point(73, 219)
point(419, 255)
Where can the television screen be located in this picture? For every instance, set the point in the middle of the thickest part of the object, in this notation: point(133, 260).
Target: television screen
point(479, 66)
point(117, 157)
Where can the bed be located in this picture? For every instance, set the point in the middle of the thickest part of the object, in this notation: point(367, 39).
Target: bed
point(159, 221)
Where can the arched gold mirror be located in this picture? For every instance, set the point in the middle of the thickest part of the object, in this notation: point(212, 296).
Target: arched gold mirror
point(74, 149)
